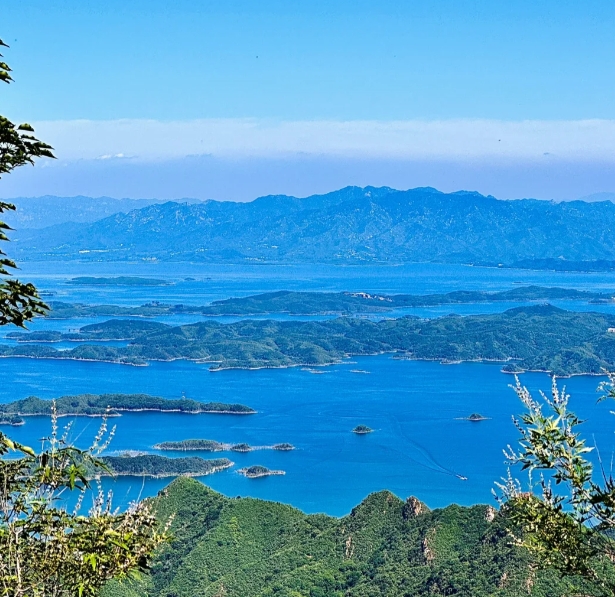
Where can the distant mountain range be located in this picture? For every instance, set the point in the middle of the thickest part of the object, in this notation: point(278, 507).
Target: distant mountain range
point(352, 225)
point(598, 197)
point(41, 212)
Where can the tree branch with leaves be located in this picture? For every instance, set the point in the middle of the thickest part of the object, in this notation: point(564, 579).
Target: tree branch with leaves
point(567, 517)
point(46, 550)
point(19, 302)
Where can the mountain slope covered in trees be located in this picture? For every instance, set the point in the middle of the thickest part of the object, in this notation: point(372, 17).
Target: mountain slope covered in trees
point(243, 547)
point(352, 225)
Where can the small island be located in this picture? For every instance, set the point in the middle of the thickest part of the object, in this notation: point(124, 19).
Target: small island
point(241, 447)
point(475, 417)
point(257, 471)
point(13, 420)
point(152, 465)
point(210, 445)
point(362, 430)
point(284, 447)
point(186, 445)
point(98, 405)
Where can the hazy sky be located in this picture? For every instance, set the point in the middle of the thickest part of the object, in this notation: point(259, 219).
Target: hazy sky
point(231, 99)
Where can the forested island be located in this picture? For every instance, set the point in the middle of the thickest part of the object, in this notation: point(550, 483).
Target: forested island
point(541, 337)
point(385, 546)
point(362, 430)
point(323, 303)
point(187, 445)
point(475, 418)
point(13, 420)
point(152, 465)
point(284, 447)
point(257, 471)
point(97, 405)
point(210, 445)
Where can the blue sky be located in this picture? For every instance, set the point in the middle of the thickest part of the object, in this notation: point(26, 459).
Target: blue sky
point(287, 68)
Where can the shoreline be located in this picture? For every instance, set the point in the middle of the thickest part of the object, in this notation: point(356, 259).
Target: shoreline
point(396, 356)
point(113, 412)
point(223, 447)
point(244, 473)
point(215, 469)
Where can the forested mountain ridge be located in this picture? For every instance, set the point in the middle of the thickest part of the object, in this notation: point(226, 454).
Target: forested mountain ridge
point(352, 225)
point(245, 547)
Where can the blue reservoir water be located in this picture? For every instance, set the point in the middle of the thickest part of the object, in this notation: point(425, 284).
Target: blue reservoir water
point(418, 447)
point(214, 282)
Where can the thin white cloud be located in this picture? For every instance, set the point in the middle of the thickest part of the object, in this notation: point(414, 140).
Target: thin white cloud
point(411, 139)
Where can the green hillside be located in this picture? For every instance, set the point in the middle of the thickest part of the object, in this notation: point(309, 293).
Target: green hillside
point(314, 303)
point(538, 337)
point(243, 547)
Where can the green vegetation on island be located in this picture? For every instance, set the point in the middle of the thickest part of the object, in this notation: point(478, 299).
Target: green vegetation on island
point(62, 310)
point(256, 471)
point(153, 465)
point(117, 281)
point(362, 429)
point(96, 405)
point(186, 445)
point(210, 445)
point(323, 303)
point(540, 337)
point(386, 547)
point(241, 447)
point(284, 447)
point(14, 420)
point(475, 417)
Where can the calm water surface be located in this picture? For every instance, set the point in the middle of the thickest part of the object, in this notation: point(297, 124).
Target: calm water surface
point(418, 446)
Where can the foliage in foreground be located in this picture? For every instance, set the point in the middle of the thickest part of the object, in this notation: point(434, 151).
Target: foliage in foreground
point(244, 547)
point(48, 551)
point(567, 518)
point(19, 302)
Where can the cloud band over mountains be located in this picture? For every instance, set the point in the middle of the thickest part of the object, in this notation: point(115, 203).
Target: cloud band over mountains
point(458, 140)
point(240, 159)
